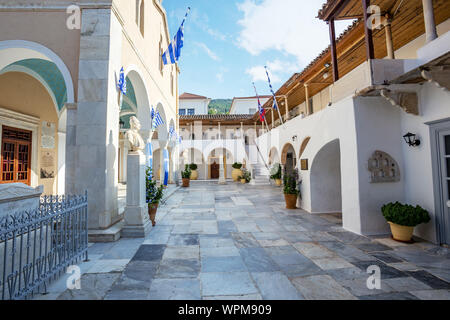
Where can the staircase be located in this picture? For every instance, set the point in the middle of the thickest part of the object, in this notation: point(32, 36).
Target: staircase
point(260, 175)
point(260, 172)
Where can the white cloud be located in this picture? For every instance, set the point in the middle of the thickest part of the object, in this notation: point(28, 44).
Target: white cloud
point(219, 77)
point(208, 51)
point(276, 69)
point(289, 26)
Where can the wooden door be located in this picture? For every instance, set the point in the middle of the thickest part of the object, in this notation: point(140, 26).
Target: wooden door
point(15, 156)
point(444, 220)
point(215, 170)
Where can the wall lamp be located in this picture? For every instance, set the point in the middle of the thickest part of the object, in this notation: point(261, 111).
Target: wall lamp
point(411, 139)
point(294, 138)
point(327, 65)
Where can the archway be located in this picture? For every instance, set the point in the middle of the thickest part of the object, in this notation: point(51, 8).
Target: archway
point(288, 158)
point(216, 158)
point(193, 155)
point(325, 179)
point(36, 88)
point(274, 156)
point(303, 146)
point(134, 104)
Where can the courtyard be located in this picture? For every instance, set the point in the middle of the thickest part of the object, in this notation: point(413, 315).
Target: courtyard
point(237, 242)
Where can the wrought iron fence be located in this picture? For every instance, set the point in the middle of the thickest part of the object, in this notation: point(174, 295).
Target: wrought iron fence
point(37, 246)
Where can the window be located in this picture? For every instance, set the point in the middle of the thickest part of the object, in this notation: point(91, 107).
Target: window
point(142, 18)
point(191, 112)
point(252, 111)
point(140, 15)
point(311, 106)
point(15, 156)
point(161, 63)
point(182, 112)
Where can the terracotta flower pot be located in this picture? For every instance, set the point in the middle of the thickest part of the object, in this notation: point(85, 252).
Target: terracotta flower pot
point(152, 209)
point(194, 175)
point(401, 233)
point(186, 183)
point(235, 174)
point(291, 201)
point(278, 182)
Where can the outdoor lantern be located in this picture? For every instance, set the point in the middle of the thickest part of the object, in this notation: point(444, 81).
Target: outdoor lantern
point(121, 124)
point(327, 65)
point(411, 140)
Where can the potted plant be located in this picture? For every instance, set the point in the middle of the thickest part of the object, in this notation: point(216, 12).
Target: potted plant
point(194, 172)
point(403, 219)
point(275, 174)
point(186, 176)
point(290, 190)
point(237, 172)
point(154, 194)
point(246, 177)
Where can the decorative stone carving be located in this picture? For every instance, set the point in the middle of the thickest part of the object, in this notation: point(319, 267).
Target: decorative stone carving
point(383, 168)
point(439, 76)
point(134, 138)
point(408, 101)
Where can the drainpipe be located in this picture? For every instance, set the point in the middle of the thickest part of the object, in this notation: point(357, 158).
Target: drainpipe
point(307, 99)
point(430, 23)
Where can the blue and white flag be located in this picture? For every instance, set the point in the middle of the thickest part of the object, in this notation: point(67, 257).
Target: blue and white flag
point(149, 155)
point(122, 85)
point(166, 167)
point(157, 121)
point(173, 53)
point(275, 105)
point(172, 132)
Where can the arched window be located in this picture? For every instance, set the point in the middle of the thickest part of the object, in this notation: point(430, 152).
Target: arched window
point(161, 63)
point(142, 18)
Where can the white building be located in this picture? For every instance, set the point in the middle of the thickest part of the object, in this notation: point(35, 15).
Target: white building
point(59, 103)
point(247, 105)
point(192, 104)
point(347, 113)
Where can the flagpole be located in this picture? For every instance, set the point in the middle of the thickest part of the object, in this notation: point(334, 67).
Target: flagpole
point(274, 96)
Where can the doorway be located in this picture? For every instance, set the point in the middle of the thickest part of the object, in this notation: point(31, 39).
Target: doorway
point(444, 174)
point(215, 170)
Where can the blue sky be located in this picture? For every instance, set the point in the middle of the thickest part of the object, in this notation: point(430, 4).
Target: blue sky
point(228, 42)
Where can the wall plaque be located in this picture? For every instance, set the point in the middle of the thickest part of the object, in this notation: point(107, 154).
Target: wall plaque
point(304, 164)
point(48, 134)
point(383, 168)
point(48, 165)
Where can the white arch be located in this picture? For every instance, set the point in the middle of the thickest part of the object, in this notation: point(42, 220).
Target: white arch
point(36, 76)
point(14, 49)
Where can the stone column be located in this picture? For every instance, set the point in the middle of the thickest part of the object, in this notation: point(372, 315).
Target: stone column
point(222, 178)
point(137, 221)
point(430, 23)
point(389, 42)
point(93, 142)
point(307, 99)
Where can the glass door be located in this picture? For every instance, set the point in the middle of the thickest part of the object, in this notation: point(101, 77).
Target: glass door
point(15, 156)
point(445, 173)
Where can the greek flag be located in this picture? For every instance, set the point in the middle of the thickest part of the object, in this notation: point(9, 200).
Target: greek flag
point(275, 105)
point(122, 85)
point(262, 111)
point(173, 53)
point(157, 121)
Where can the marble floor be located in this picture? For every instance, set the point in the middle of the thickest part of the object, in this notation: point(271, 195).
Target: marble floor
point(237, 242)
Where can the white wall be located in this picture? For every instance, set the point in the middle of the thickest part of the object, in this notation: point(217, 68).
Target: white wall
point(243, 106)
point(200, 105)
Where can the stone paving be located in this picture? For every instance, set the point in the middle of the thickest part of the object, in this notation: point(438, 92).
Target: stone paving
point(237, 242)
